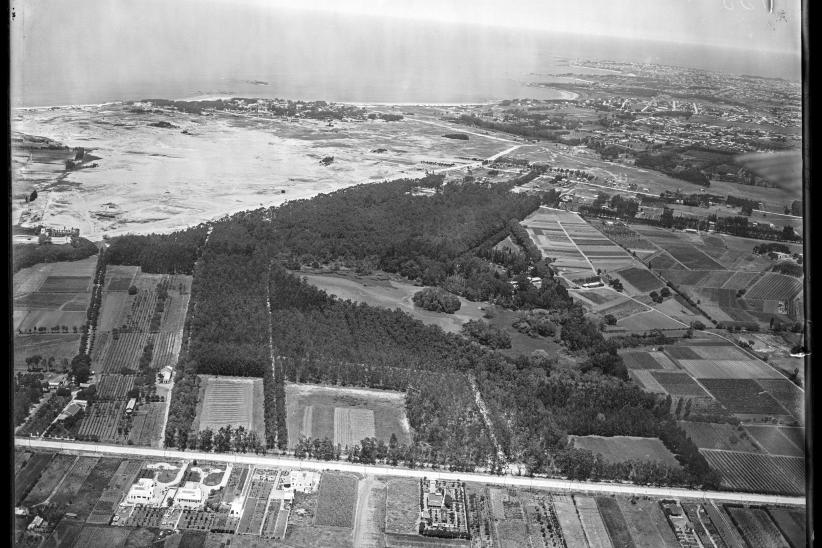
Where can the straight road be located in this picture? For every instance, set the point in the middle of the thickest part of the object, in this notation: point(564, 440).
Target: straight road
point(511, 481)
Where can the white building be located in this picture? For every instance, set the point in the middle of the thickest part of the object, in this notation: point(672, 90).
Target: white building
point(142, 492)
point(303, 481)
point(165, 374)
point(189, 496)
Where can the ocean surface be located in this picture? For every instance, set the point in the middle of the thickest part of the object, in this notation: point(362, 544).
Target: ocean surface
point(411, 63)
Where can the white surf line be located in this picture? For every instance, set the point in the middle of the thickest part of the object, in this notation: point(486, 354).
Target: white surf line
point(562, 485)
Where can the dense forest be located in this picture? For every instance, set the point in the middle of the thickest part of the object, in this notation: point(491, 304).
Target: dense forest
point(24, 256)
point(173, 253)
point(535, 406)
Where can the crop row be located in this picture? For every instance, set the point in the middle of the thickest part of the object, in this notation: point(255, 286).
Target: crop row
point(102, 422)
point(115, 387)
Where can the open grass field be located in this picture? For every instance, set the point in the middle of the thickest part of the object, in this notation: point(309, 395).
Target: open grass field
point(774, 441)
point(708, 435)
point(640, 279)
point(743, 396)
point(758, 472)
point(30, 474)
point(791, 523)
point(378, 290)
point(678, 383)
point(776, 287)
point(91, 489)
point(646, 523)
point(757, 527)
point(49, 479)
point(592, 524)
point(311, 410)
point(622, 448)
point(614, 522)
point(337, 500)
point(402, 506)
point(235, 401)
point(745, 368)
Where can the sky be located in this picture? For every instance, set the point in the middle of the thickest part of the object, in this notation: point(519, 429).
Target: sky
point(106, 44)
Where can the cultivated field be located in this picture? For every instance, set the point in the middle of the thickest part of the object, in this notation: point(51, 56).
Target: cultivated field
point(589, 516)
point(772, 440)
point(787, 394)
point(647, 321)
point(647, 360)
point(775, 287)
point(757, 527)
point(311, 411)
point(758, 472)
point(102, 537)
point(235, 401)
point(718, 436)
point(622, 448)
point(640, 279)
point(146, 424)
point(743, 396)
point(745, 368)
point(49, 479)
point(614, 522)
point(337, 500)
point(103, 421)
point(402, 506)
point(29, 474)
point(59, 347)
point(91, 489)
point(677, 383)
point(791, 523)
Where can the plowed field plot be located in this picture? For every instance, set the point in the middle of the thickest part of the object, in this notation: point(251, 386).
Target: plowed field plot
point(757, 527)
point(599, 296)
point(74, 481)
point(685, 277)
point(647, 524)
point(402, 506)
point(166, 350)
point(791, 523)
point(91, 489)
point(640, 278)
point(614, 522)
point(568, 520)
point(337, 500)
point(678, 383)
point(311, 412)
point(123, 352)
point(758, 472)
point(706, 435)
point(720, 352)
point(589, 516)
point(102, 537)
point(115, 387)
point(692, 257)
point(725, 527)
point(746, 368)
point(49, 479)
point(681, 353)
point(775, 287)
point(624, 309)
point(235, 401)
point(774, 442)
point(146, 424)
point(119, 283)
point(740, 280)
point(743, 396)
point(66, 284)
point(29, 475)
point(787, 394)
point(622, 448)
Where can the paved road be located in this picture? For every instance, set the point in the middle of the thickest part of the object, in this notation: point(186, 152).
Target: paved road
point(513, 481)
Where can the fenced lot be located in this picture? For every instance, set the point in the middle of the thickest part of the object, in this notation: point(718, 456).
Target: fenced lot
point(337, 500)
point(743, 396)
point(757, 527)
point(678, 383)
point(402, 506)
point(235, 401)
point(49, 479)
point(775, 287)
point(311, 411)
point(622, 448)
point(757, 472)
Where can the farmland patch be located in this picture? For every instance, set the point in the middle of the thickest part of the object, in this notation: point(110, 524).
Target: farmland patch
point(352, 425)
point(789, 396)
point(29, 475)
point(743, 396)
point(646, 321)
point(775, 287)
point(774, 442)
point(49, 479)
point(693, 258)
point(706, 435)
point(235, 401)
point(65, 284)
point(646, 523)
point(644, 378)
point(623, 448)
point(728, 369)
point(791, 523)
point(74, 481)
point(679, 383)
point(640, 279)
point(102, 537)
point(757, 527)
point(91, 489)
point(614, 522)
point(402, 506)
point(756, 472)
point(337, 500)
point(589, 516)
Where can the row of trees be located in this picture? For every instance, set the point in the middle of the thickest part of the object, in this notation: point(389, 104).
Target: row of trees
point(27, 255)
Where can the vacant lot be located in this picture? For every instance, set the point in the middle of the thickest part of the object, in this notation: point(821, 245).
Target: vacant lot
point(774, 441)
point(337, 500)
point(622, 448)
point(235, 401)
point(312, 412)
point(402, 506)
point(708, 435)
point(743, 396)
point(758, 472)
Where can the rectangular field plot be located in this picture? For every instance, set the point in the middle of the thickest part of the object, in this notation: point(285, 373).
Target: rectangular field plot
point(622, 448)
point(119, 283)
point(758, 472)
point(728, 369)
point(647, 524)
point(647, 360)
point(28, 476)
point(337, 500)
point(692, 257)
point(681, 353)
point(114, 310)
point(402, 506)
point(789, 396)
point(795, 434)
point(648, 383)
point(102, 537)
point(652, 319)
point(775, 287)
point(59, 346)
point(706, 435)
point(166, 350)
point(614, 522)
point(720, 353)
point(93, 486)
point(74, 480)
point(235, 401)
point(49, 318)
point(641, 279)
point(48, 300)
point(757, 527)
point(146, 423)
point(791, 523)
point(49, 479)
point(311, 413)
point(589, 516)
point(66, 284)
point(102, 420)
point(678, 383)
point(352, 425)
point(740, 280)
point(115, 387)
point(774, 442)
point(743, 396)
point(568, 520)
point(122, 353)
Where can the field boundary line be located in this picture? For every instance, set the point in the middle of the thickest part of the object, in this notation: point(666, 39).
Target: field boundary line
point(594, 270)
